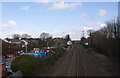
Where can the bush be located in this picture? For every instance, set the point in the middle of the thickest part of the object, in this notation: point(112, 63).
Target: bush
point(26, 63)
point(59, 52)
point(46, 63)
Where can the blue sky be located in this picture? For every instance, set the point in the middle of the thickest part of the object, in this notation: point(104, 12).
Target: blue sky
point(57, 18)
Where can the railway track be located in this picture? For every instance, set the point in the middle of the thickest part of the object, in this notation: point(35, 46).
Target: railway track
point(92, 65)
point(77, 64)
point(84, 66)
point(66, 67)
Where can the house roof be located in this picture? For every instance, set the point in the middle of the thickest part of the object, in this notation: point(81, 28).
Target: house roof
point(58, 39)
point(15, 40)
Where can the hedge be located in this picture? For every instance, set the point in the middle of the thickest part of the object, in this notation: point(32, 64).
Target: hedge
point(25, 63)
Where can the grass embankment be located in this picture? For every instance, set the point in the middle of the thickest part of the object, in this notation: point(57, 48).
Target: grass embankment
point(106, 66)
point(45, 64)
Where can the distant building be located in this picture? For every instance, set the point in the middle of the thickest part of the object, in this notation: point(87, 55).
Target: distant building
point(69, 43)
point(59, 41)
point(12, 45)
point(75, 41)
point(14, 41)
point(85, 40)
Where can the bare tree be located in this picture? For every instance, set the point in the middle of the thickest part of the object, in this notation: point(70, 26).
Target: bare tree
point(107, 39)
point(25, 36)
point(16, 36)
point(89, 32)
point(44, 35)
point(67, 37)
point(113, 29)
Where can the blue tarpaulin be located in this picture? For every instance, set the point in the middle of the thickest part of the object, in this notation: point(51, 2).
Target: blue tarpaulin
point(35, 54)
point(38, 54)
point(22, 53)
point(30, 54)
point(41, 54)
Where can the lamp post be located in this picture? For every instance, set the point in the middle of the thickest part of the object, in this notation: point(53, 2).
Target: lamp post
point(26, 43)
point(26, 46)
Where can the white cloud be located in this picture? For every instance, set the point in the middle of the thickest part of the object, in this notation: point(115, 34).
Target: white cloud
point(83, 15)
point(2, 36)
point(19, 32)
point(87, 28)
point(93, 25)
point(25, 8)
point(10, 24)
point(102, 13)
point(42, 1)
point(57, 33)
point(103, 25)
point(62, 6)
point(75, 33)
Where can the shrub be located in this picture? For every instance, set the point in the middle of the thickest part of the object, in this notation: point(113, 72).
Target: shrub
point(26, 63)
point(59, 52)
point(46, 63)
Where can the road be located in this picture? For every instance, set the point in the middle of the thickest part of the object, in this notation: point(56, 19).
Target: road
point(77, 63)
point(9, 61)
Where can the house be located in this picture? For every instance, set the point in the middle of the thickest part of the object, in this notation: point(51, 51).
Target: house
point(15, 41)
point(69, 43)
point(11, 45)
point(59, 41)
point(85, 41)
point(75, 41)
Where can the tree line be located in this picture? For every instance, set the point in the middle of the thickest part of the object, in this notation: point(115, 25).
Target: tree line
point(107, 39)
point(44, 40)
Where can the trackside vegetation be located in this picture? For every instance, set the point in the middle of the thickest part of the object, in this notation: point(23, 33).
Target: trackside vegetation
point(27, 64)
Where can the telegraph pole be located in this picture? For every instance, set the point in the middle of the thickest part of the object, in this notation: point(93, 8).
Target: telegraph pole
point(26, 43)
